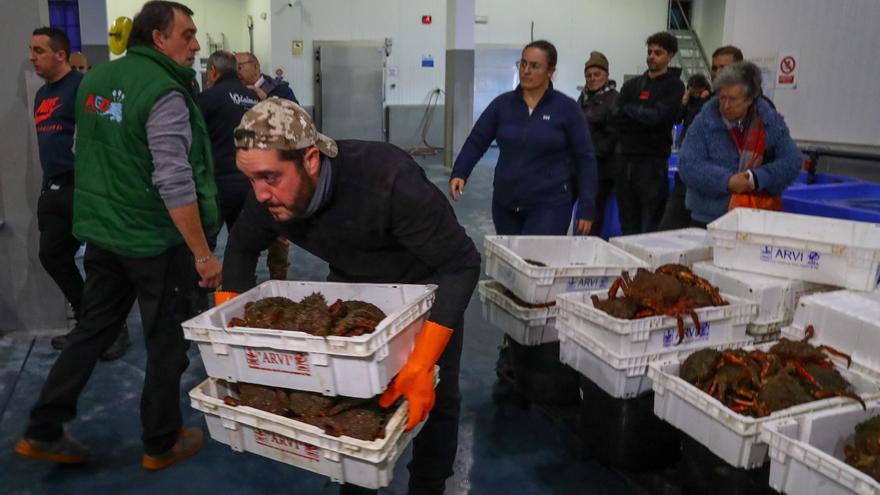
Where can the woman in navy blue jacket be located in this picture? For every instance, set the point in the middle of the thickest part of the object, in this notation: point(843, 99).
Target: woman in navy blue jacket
point(546, 163)
point(546, 159)
point(738, 146)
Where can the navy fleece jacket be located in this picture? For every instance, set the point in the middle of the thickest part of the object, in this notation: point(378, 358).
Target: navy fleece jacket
point(546, 158)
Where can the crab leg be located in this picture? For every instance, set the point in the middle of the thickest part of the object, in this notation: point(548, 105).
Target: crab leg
point(804, 373)
point(831, 350)
point(808, 333)
point(823, 394)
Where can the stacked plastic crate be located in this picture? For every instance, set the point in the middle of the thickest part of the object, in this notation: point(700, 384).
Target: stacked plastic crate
point(800, 249)
point(529, 271)
point(359, 367)
point(613, 354)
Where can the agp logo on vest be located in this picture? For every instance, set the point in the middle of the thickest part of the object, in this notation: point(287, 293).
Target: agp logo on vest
point(106, 107)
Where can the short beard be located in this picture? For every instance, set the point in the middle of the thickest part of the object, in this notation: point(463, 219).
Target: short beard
point(304, 196)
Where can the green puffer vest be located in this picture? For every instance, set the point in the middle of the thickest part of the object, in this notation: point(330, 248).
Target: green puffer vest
point(116, 205)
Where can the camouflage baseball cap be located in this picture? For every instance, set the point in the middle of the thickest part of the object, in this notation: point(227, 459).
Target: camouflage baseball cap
point(280, 124)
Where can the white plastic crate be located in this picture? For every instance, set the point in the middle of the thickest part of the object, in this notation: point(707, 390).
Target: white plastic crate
point(343, 459)
point(830, 251)
point(845, 320)
point(683, 246)
point(655, 333)
point(806, 453)
point(622, 377)
point(527, 326)
point(573, 264)
point(776, 297)
point(729, 435)
point(351, 366)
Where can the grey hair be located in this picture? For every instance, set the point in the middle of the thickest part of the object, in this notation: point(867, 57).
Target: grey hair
point(745, 73)
point(223, 61)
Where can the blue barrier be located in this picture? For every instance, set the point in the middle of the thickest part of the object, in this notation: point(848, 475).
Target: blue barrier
point(611, 226)
point(848, 201)
point(821, 179)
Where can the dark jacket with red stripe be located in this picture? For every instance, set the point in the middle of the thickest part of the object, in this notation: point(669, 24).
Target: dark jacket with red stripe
point(645, 112)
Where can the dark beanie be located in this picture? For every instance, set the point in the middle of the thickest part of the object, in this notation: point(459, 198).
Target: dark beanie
point(597, 59)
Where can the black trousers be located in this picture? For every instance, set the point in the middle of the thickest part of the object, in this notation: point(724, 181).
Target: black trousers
point(642, 188)
point(58, 247)
point(604, 188)
point(165, 290)
point(676, 215)
point(231, 195)
point(434, 448)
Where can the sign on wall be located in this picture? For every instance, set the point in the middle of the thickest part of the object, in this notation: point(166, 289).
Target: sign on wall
point(767, 64)
point(786, 70)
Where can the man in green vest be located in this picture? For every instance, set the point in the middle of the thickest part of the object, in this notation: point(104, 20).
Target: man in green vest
point(145, 202)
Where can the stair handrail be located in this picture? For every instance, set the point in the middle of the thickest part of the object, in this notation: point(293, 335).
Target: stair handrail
point(694, 33)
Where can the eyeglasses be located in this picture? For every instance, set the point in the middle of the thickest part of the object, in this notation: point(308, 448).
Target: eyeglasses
point(523, 65)
point(733, 100)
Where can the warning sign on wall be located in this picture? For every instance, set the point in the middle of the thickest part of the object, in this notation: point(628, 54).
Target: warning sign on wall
point(786, 69)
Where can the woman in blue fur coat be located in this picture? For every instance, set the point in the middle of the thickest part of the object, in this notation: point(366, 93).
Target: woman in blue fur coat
point(738, 150)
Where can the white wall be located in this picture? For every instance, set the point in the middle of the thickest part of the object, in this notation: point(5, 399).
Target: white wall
point(618, 29)
point(708, 21)
point(210, 16)
point(576, 27)
point(93, 25)
point(262, 30)
point(363, 20)
point(836, 96)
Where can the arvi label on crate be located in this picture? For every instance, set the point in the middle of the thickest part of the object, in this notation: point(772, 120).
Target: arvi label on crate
point(691, 334)
point(287, 445)
point(294, 363)
point(575, 284)
point(791, 257)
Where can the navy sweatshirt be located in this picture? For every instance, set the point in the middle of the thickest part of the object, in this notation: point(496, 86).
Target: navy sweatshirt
point(546, 158)
point(645, 112)
point(223, 105)
point(54, 117)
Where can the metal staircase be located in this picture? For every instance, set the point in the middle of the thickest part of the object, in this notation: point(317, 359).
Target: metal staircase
point(690, 57)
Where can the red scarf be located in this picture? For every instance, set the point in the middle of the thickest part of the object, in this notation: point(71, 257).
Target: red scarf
point(751, 143)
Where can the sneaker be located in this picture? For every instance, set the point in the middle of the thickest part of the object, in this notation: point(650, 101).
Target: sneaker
point(59, 341)
point(63, 451)
point(118, 347)
point(190, 441)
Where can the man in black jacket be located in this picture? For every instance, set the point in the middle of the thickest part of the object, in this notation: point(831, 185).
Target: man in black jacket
point(644, 115)
point(223, 104)
point(264, 86)
point(368, 210)
point(596, 101)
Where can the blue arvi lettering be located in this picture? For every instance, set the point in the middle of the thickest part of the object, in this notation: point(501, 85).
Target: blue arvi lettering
point(670, 336)
point(788, 254)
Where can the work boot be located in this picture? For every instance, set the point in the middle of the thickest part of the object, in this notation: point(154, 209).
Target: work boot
point(63, 451)
point(118, 347)
point(190, 441)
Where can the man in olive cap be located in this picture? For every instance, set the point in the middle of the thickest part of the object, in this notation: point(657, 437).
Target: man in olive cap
point(596, 100)
point(368, 210)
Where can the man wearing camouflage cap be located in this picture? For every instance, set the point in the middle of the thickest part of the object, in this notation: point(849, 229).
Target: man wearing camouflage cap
point(368, 210)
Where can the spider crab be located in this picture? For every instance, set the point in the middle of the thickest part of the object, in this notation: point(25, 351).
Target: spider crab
point(671, 290)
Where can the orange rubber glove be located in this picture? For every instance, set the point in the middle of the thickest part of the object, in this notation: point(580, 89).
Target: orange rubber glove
point(416, 379)
point(221, 296)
